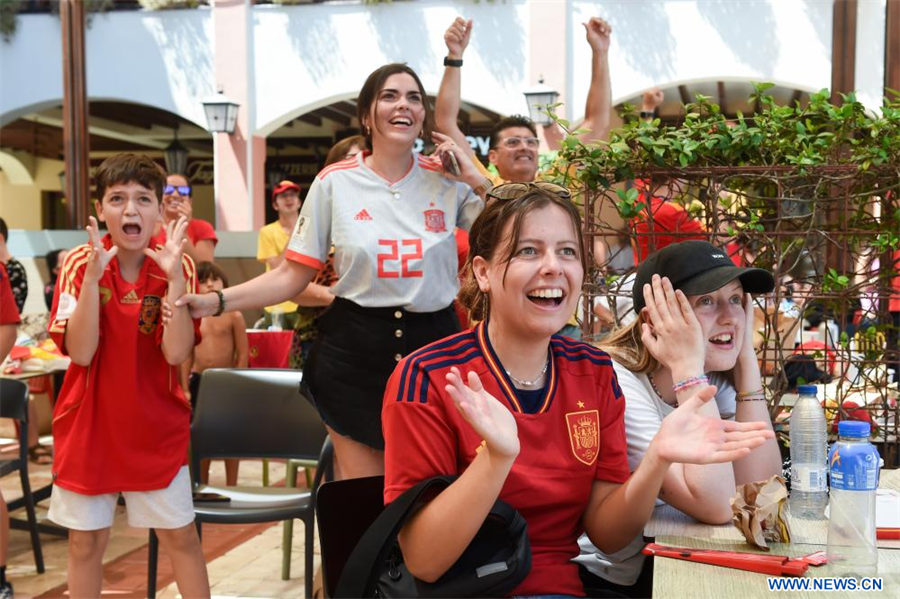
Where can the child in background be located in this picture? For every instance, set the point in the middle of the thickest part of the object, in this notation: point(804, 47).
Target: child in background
point(224, 345)
point(121, 422)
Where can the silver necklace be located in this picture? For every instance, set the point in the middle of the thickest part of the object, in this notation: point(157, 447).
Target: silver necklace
point(537, 379)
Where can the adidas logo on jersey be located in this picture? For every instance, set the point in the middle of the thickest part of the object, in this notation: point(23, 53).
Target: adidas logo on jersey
point(362, 215)
point(129, 298)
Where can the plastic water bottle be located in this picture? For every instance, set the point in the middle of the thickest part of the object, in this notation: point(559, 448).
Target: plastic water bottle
point(276, 321)
point(854, 464)
point(809, 488)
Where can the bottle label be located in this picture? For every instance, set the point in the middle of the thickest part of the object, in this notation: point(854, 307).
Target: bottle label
point(808, 478)
point(853, 466)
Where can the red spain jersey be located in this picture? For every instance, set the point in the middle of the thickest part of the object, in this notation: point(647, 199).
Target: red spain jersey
point(9, 313)
point(197, 230)
point(576, 436)
point(662, 223)
point(121, 423)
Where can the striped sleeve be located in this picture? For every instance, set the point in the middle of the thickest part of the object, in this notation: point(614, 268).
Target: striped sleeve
point(311, 238)
point(190, 273)
point(420, 441)
point(68, 288)
point(190, 285)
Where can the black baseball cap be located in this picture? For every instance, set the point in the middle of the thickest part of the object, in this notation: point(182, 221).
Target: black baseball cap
point(697, 267)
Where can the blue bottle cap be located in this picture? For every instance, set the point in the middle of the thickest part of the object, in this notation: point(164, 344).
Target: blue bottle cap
point(853, 428)
point(807, 390)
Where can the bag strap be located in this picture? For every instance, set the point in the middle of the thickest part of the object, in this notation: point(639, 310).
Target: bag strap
point(359, 573)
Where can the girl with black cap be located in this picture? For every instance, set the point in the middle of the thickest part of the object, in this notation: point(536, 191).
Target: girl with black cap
point(694, 326)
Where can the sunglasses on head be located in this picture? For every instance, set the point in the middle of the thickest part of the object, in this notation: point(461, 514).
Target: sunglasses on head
point(514, 191)
point(516, 141)
point(184, 190)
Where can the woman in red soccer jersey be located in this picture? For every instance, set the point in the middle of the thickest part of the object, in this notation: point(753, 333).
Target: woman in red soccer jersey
point(390, 215)
point(528, 416)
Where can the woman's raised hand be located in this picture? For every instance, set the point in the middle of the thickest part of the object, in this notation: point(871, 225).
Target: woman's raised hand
point(490, 418)
point(689, 437)
point(673, 335)
point(747, 349)
point(445, 146)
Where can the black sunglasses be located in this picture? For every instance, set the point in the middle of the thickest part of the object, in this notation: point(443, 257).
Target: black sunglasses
point(513, 191)
point(184, 190)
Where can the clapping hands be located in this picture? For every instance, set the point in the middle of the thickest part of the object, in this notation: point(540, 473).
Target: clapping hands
point(689, 437)
point(490, 418)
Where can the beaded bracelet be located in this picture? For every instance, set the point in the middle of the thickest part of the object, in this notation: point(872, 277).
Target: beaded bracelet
point(744, 398)
point(754, 393)
point(690, 382)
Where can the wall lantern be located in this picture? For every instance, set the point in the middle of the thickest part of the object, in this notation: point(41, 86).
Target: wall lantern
point(221, 113)
point(539, 98)
point(176, 156)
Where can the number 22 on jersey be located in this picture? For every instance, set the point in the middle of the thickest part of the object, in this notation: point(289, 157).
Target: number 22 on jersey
point(399, 250)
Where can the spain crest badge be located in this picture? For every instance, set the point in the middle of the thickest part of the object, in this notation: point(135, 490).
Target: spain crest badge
point(150, 309)
point(584, 435)
point(434, 221)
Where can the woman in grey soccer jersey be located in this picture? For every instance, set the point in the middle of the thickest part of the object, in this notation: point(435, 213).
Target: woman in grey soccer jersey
point(390, 214)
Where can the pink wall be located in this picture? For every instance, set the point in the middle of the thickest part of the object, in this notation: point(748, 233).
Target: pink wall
point(236, 154)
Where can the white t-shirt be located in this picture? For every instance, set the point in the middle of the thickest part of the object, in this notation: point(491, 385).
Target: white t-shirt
point(394, 242)
point(644, 413)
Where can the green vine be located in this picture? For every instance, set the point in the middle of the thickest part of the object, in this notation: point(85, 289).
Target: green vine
point(808, 191)
point(819, 133)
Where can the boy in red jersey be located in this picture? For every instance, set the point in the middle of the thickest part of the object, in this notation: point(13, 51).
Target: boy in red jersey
point(121, 422)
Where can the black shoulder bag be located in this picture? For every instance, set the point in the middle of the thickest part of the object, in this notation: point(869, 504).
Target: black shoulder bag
point(494, 563)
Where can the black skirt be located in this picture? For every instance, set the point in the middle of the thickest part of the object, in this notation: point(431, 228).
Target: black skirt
point(354, 355)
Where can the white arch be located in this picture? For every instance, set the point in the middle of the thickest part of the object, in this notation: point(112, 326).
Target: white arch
point(17, 166)
point(285, 118)
point(629, 94)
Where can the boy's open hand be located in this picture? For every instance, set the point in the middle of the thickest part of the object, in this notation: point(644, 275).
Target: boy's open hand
point(488, 417)
point(99, 256)
point(169, 257)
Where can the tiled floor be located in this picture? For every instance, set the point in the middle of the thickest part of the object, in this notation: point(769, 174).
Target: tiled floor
point(250, 569)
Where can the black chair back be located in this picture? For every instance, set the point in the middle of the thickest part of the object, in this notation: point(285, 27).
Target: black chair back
point(254, 413)
point(14, 401)
point(14, 404)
